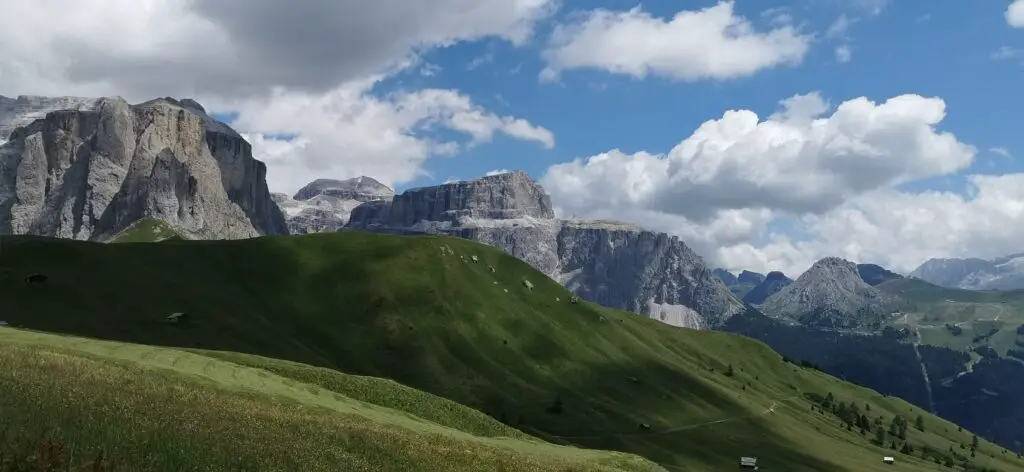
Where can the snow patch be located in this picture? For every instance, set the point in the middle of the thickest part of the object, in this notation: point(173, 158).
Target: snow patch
point(675, 315)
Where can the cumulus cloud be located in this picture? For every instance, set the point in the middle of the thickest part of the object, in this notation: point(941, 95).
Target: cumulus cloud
point(348, 132)
point(235, 47)
point(305, 69)
point(901, 230)
point(798, 160)
point(1015, 14)
point(711, 43)
point(723, 184)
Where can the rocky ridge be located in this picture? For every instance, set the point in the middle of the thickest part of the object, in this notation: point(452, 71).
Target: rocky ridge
point(1002, 273)
point(325, 204)
point(739, 285)
point(610, 263)
point(774, 282)
point(90, 171)
point(831, 294)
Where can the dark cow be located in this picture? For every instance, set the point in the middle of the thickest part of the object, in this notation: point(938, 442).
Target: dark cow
point(36, 279)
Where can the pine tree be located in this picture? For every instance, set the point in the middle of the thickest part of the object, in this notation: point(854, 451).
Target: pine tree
point(729, 372)
point(974, 442)
point(919, 423)
point(880, 435)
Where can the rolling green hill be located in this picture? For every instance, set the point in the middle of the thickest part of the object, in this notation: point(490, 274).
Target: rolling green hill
point(154, 408)
point(960, 319)
point(469, 323)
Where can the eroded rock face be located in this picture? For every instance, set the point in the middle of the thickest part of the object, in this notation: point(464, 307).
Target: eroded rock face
point(831, 294)
point(613, 264)
point(325, 204)
point(90, 172)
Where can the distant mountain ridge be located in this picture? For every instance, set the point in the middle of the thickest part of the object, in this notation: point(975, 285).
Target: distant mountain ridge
point(831, 294)
point(325, 204)
point(774, 282)
point(1002, 273)
point(740, 284)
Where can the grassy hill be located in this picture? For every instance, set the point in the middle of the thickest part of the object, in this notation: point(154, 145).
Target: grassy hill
point(469, 323)
point(146, 230)
point(152, 408)
point(960, 319)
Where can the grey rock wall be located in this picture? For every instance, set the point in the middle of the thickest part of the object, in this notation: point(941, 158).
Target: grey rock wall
point(90, 172)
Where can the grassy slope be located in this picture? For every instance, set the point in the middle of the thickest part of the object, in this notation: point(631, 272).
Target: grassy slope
point(146, 230)
point(166, 409)
point(975, 312)
point(417, 310)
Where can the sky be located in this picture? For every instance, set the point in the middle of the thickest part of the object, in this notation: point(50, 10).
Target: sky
point(766, 134)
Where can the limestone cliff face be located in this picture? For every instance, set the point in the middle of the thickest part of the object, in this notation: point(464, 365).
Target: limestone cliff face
point(90, 172)
point(613, 264)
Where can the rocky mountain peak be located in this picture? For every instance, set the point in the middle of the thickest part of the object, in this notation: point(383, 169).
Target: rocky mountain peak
point(725, 276)
point(362, 189)
point(830, 294)
point(86, 168)
point(511, 196)
point(774, 282)
point(326, 204)
point(749, 277)
point(776, 275)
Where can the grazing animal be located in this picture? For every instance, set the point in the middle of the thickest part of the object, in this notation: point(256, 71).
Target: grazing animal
point(36, 279)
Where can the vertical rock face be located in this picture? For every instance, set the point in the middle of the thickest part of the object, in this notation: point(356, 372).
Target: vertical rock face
point(90, 172)
point(613, 264)
point(325, 204)
point(831, 294)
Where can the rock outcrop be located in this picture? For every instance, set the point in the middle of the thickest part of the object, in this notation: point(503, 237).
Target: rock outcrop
point(613, 264)
point(325, 204)
point(91, 171)
point(831, 294)
point(1003, 273)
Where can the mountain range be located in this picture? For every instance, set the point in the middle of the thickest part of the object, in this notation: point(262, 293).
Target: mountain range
point(1002, 273)
point(104, 170)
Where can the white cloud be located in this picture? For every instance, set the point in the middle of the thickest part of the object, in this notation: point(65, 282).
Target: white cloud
point(711, 43)
point(721, 186)
point(839, 28)
point(348, 132)
point(1015, 14)
point(1006, 52)
point(304, 69)
point(1001, 151)
point(902, 230)
point(497, 172)
point(231, 48)
point(843, 54)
